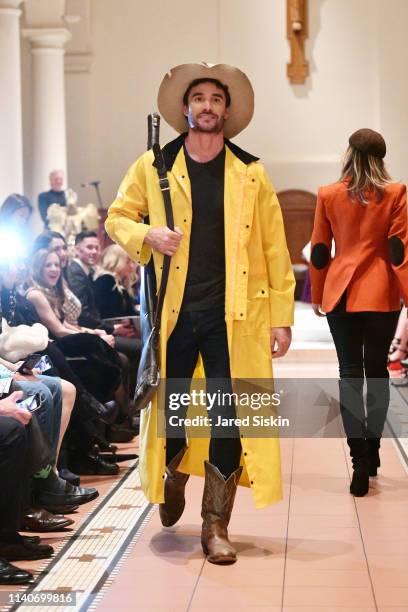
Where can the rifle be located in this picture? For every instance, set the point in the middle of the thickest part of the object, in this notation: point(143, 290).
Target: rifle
point(148, 375)
point(148, 287)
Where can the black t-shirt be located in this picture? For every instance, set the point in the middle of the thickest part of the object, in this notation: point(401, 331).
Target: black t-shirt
point(205, 283)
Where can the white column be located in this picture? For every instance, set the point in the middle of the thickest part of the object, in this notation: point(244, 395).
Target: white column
point(11, 148)
point(48, 103)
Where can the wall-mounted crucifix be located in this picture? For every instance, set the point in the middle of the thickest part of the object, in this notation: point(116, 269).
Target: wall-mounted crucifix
point(297, 32)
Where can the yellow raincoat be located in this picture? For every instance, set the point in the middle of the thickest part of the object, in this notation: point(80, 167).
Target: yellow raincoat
point(259, 293)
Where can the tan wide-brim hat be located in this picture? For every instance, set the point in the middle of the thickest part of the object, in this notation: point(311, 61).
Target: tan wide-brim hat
point(177, 80)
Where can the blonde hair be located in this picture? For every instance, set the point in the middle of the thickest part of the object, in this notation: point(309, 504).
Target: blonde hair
point(365, 175)
point(113, 259)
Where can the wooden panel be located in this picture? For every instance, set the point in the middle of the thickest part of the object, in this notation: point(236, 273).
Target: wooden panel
point(298, 208)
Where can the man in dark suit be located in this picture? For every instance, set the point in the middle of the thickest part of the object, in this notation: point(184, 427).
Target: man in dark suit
point(55, 195)
point(80, 279)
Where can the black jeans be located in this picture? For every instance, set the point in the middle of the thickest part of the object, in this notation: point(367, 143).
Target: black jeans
point(362, 341)
point(203, 332)
point(14, 476)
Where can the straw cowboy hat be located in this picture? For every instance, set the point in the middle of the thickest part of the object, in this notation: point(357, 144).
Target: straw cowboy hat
point(177, 80)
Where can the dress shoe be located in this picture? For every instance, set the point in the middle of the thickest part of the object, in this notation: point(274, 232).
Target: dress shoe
point(118, 457)
point(43, 521)
point(61, 492)
point(32, 539)
point(70, 477)
point(24, 551)
point(62, 510)
point(96, 465)
point(10, 574)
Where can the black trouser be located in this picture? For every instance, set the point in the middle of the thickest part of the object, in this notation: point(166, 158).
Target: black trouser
point(203, 332)
point(362, 341)
point(14, 475)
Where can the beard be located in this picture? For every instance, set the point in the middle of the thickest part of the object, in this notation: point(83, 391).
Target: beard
point(215, 128)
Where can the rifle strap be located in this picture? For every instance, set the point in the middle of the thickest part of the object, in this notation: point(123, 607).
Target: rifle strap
point(165, 189)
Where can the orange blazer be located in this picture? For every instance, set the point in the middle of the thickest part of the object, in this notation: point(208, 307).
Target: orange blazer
point(371, 258)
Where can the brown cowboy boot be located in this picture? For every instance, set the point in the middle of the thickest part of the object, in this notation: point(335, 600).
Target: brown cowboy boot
point(218, 500)
point(174, 501)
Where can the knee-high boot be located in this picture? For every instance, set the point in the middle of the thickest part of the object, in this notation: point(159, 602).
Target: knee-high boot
point(378, 400)
point(218, 501)
point(360, 460)
point(174, 486)
point(353, 415)
point(373, 455)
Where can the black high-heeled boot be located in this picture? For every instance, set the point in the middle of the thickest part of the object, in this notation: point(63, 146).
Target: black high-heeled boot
point(92, 409)
point(359, 456)
point(373, 455)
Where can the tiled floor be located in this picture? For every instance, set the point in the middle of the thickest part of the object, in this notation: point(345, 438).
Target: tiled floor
point(319, 549)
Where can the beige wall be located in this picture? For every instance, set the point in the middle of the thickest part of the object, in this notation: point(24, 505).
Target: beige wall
point(299, 132)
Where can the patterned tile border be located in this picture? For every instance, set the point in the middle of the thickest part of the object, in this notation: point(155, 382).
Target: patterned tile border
point(86, 561)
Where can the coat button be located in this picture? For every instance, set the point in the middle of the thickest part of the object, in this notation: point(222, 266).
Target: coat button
point(253, 180)
point(245, 454)
point(244, 272)
point(177, 267)
point(242, 314)
point(263, 291)
point(247, 226)
point(185, 220)
point(252, 482)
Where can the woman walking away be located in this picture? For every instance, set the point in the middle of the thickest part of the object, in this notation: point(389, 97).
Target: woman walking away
point(359, 289)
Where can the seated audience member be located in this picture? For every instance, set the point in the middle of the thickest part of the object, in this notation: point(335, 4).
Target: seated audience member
point(113, 282)
point(19, 311)
point(55, 195)
point(80, 273)
point(99, 380)
point(49, 491)
point(58, 308)
point(14, 479)
point(48, 294)
point(53, 241)
point(80, 279)
point(16, 211)
point(15, 214)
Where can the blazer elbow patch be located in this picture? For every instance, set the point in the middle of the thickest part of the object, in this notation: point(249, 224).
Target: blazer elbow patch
point(320, 255)
point(397, 251)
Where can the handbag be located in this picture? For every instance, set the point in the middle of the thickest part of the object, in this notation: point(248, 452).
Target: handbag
point(148, 373)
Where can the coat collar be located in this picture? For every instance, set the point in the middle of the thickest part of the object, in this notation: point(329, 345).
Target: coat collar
point(171, 150)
